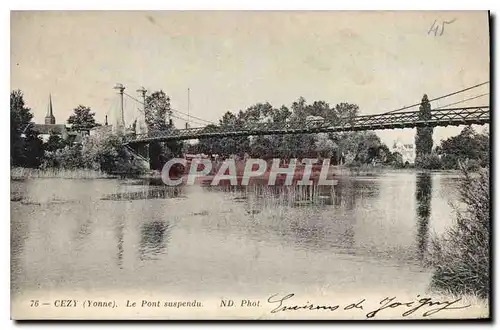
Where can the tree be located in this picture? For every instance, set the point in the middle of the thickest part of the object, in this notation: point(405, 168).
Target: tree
point(395, 159)
point(320, 108)
point(156, 110)
point(466, 146)
point(32, 151)
point(209, 146)
point(423, 138)
point(430, 161)
point(265, 115)
point(346, 112)
point(20, 117)
point(325, 147)
point(82, 119)
point(235, 145)
point(368, 147)
point(53, 143)
point(261, 147)
point(69, 157)
point(26, 147)
point(363, 148)
point(299, 109)
point(105, 152)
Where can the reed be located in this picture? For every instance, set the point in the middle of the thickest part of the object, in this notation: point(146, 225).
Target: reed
point(19, 173)
point(461, 255)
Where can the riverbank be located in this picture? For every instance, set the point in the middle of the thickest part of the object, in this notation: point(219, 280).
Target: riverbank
point(18, 173)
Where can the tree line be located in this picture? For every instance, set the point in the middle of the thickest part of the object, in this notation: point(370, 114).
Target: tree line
point(342, 148)
point(469, 148)
point(102, 152)
point(105, 152)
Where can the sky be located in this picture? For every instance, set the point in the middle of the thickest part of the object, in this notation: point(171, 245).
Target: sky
point(380, 61)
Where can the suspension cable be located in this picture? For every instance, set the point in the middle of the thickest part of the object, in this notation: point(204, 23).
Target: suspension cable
point(438, 98)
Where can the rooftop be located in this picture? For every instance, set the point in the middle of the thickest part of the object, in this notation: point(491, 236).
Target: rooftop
point(50, 128)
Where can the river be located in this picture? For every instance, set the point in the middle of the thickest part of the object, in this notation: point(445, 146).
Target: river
point(369, 233)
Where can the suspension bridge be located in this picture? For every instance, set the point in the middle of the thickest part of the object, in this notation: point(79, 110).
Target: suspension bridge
point(396, 119)
point(410, 119)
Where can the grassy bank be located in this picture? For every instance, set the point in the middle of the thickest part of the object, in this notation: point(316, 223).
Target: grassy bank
point(461, 255)
point(18, 173)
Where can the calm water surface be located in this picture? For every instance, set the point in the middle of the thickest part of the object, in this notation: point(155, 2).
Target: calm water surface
point(369, 233)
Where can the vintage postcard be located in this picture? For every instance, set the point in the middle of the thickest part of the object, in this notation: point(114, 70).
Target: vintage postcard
point(250, 165)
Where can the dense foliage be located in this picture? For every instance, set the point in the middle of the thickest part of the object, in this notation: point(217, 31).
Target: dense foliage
point(26, 147)
point(157, 109)
point(342, 148)
point(346, 148)
point(99, 152)
point(423, 138)
point(469, 149)
point(461, 255)
point(82, 119)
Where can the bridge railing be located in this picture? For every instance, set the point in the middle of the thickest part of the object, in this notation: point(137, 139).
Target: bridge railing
point(363, 122)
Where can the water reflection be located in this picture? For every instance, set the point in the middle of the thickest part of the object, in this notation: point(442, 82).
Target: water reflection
point(307, 217)
point(243, 237)
point(424, 196)
point(119, 243)
point(154, 238)
point(346, 194)
point(146, 192)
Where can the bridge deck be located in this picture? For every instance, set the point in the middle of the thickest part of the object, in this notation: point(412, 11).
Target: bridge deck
point(409, 119)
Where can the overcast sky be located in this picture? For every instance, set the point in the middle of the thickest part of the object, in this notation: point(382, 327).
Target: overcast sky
point(231, 60)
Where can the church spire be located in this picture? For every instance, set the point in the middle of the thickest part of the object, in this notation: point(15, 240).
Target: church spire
point(49, 118)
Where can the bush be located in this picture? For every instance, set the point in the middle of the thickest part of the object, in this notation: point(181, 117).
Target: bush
point(102, 153)
point(69, 157)
point(106, 153)
point(461, 255)
point(429, 162)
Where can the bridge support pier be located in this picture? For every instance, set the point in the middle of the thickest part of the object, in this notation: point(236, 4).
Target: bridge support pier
point(155, 156)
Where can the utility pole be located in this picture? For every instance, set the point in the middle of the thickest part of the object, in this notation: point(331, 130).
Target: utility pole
point(142, 91)
point(121, 120)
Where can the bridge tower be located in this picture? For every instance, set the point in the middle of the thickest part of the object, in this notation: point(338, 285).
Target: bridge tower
point(143, 148)
point(120, 122)
point(143, 127)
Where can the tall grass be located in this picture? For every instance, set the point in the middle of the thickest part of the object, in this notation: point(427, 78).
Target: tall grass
point(18, 173)
point(461, 256)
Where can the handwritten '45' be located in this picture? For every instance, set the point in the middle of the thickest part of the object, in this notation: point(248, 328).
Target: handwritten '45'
point(435, 27)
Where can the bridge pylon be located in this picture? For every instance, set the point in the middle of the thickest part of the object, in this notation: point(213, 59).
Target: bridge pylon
point(143, 127)
point(119, 127)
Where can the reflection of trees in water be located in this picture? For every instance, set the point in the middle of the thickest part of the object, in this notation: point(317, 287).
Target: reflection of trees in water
point(423, 196)
point(346, 193)
point(154, 238)
point(19, 234)
point(316, 217)
point(324, 219)
point(119, 242)
point(336, 226)
point(147, 192)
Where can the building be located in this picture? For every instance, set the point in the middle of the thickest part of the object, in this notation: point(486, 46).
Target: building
point(406, 150)
point(50, 127)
